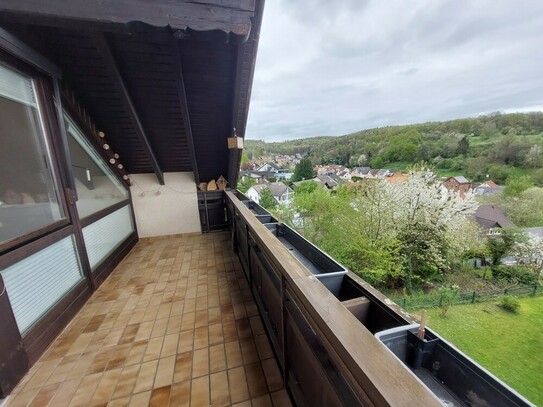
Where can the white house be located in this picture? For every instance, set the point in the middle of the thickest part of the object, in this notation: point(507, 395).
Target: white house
point(282, 193)
point(268, 167)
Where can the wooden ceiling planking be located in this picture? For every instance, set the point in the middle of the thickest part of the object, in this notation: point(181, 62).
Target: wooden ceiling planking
point(229, 17)
point(155, 96)
point(147, 64)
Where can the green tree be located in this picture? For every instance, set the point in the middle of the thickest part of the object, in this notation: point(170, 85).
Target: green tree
point(306, 187)
point(501, 245)
point(267, 201)
point(515, 185)
point(245, 158)
point(377, 162)
point(463, 146)
point(243, 186)
point(303, 170)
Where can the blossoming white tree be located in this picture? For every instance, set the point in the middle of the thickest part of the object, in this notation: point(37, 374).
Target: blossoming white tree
point(388, 232)
point(530, 252)
point(424, 214)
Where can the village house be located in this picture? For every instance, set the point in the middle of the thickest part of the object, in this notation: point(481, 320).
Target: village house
point(488, 187)
point(325, 181)
point(282, 193)
point(268, 167)
point(492, 218)
point(360, 172)
point(457, 184)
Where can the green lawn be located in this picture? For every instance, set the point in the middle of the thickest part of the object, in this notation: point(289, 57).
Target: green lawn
point(508, 345)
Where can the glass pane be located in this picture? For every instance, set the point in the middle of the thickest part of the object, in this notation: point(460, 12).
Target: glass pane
point(38, 282)
point(105, 235)
point(97, 187)
point(28, 193)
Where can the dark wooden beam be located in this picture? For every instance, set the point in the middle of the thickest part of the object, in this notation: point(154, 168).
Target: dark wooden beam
point(14, 46)
point(245, 67)
point(104, 49)
point(182, 95)
point(228, 16)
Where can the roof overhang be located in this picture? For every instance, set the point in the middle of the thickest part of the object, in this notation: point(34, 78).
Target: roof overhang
point(166, 81)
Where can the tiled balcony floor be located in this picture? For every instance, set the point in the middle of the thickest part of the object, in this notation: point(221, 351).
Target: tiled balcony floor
point(175, 324)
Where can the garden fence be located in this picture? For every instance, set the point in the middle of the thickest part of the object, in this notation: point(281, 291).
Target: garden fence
point(436, 300)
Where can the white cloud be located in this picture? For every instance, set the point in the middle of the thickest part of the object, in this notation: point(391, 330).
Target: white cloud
point(329, 68)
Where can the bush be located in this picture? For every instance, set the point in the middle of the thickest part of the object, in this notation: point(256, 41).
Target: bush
point(448, 296)
point(514, 274)
point(510, 303)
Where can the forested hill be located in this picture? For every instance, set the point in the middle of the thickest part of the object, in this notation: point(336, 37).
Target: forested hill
point(497, 144)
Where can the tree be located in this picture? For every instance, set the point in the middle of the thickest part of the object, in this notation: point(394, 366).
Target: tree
point(303, 170)
point(377, 162)
point(515, 185)
point(244, 186)
point(423, 212)
point(529, 251)
point(393, 234)
point(463, 146)
point(267, 201)
point(307, 187)
point(501, 245)
point(534, 157)
point(362, 159)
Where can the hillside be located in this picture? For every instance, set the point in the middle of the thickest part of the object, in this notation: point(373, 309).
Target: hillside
point(499, 145)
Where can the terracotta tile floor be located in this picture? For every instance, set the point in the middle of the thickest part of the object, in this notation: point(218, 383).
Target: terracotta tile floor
point(174, 325)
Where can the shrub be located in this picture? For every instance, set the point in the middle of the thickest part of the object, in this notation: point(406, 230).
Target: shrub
point(448, 296)
point(510, 303)
point(514, 274)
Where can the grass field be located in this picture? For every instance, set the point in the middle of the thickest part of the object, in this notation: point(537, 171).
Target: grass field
point(508, 345)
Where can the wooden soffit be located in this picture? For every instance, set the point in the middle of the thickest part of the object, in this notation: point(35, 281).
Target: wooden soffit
point(233, 17)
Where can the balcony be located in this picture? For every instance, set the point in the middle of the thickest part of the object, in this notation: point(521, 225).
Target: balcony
point(126, 109)
point(174, 324)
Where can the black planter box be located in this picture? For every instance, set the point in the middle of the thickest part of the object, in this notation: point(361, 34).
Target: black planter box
point(452, 376)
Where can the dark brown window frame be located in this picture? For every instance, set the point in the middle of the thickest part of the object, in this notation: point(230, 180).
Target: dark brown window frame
point(44, 97)
point(51, 102)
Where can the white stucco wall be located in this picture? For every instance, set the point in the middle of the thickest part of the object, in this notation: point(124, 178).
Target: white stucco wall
point(252, 194)
point(165, 209)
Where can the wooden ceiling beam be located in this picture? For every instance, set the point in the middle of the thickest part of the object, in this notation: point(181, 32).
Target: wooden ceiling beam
point(204, 15)
point(104, 49)
point(182, 95)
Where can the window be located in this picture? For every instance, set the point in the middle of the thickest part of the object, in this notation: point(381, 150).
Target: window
point(36, 283)
point(96, 185)
point(29, 197)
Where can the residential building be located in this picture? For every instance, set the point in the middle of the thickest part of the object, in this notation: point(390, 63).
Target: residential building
point(492, 219)
point(269, 167)
point(360, 172)
point(282, 193)
point(457, 184)
point(488, 187)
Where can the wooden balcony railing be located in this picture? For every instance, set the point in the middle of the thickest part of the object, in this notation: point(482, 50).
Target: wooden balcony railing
point(322, 331)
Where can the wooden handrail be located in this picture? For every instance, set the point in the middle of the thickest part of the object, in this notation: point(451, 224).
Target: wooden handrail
point(373, 373)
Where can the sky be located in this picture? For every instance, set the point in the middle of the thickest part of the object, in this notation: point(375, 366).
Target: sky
point(328, 68)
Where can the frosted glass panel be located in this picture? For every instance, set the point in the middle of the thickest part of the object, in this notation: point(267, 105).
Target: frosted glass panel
point(38, 282)
point(105, 235)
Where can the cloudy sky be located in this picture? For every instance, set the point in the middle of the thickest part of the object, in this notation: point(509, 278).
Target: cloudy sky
point(333, 67)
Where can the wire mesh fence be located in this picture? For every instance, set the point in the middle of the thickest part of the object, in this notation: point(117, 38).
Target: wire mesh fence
point(436, 300)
